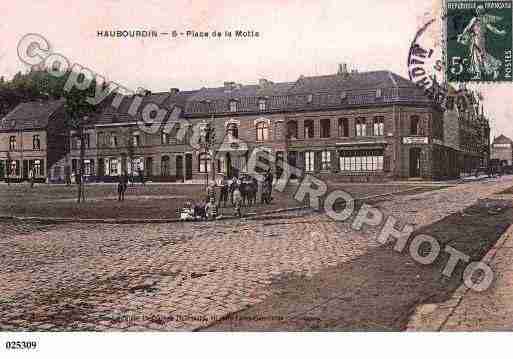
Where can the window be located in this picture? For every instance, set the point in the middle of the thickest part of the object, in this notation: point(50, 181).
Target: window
point(74, 142)
point(233, 106)
point(360, 127)
point(325, 128)
point(309, 129)
point(232, 130)
point(101, 139)
point(88, 170)
point(36, 168)
point(309, 161)
point(36, 143)
point(262, 131)
point(113, 167)
point(361, 160)
point(113, 140)
point(165, 166)
point(165, 138)
point(136, 139)
point(292, 130)
point(379, 126)
point(14, 168)
point(309, 98)
point(343, 127)
point(414, 125)
point(325, 160)
point(87, 140)
point(12, 143)
point(262, 105)
point(204, 163)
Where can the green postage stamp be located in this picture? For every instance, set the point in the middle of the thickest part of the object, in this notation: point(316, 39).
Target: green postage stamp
point(478, 41)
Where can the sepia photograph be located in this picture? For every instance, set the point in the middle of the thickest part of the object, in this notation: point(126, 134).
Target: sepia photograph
point(211, 176)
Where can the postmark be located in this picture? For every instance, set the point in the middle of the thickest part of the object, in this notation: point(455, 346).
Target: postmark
point(478, 41)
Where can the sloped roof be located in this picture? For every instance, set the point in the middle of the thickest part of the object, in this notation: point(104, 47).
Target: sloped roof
point(502, 139)
point(312, 92)
point(30, 115)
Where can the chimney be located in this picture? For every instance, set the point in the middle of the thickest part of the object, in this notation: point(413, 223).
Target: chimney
point(263, 82)
point(174, 90)
point(342, 69)
point(143, 92)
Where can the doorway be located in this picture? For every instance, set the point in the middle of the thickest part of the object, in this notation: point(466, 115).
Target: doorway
point(415, 162)
point(188, 166)
point(179, 168)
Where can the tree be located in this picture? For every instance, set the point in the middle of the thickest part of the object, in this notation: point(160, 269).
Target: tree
point(78, 115)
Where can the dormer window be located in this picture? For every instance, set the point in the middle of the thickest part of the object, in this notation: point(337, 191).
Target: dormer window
point(378, 93)
point(233, 106)
point(262, 104)
point(343, 95)
point(309, 98)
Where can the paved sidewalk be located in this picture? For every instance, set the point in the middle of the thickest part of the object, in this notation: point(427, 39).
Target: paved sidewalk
point(467, 310)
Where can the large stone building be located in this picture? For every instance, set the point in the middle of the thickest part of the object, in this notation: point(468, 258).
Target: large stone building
point(502, 150)
point(368, 126)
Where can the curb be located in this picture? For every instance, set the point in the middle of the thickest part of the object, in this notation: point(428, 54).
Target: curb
point(433, 317)
point(142, 220)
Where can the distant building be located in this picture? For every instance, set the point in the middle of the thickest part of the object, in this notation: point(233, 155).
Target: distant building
point(502, 150)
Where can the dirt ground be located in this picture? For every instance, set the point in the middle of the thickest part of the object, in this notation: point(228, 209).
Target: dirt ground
point(150, 201)
point(379, 290)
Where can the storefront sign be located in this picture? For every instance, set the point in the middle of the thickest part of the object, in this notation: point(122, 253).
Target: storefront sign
point(415, 140)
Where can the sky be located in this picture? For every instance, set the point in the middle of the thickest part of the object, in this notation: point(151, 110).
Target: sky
point(297, 37)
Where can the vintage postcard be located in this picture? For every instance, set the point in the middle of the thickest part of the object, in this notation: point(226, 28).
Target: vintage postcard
point(233, 166)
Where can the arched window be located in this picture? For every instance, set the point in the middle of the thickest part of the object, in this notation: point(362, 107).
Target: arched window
point(165, 166)
point(204, 163)
point(262, 131)
point(292, 130)
point(232, 130)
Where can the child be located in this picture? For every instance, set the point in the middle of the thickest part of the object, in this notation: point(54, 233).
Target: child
point(211, 209)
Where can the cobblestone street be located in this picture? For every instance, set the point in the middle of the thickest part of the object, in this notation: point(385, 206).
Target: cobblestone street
point(182, 276)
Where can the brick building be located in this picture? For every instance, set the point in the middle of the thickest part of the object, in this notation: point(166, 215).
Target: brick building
point(32, 137)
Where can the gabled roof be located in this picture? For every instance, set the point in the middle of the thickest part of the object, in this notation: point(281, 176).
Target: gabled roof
point(30, 115)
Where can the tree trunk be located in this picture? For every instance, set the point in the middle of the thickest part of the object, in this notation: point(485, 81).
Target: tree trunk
point(81, 196)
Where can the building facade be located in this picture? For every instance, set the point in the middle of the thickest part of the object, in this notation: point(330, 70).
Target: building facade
point(352, 126)
point(502, 150)
point(32, 140)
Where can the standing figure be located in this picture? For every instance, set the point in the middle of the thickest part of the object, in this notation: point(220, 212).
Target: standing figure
point(237, 201)
point(121, 189)
point(31, 178)
point(211, 209)
point(474, 36)
point(223, 198)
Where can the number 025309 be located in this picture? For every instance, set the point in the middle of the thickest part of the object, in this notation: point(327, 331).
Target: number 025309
point(20, 345)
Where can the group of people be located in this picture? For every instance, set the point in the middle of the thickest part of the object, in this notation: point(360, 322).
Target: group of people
point(240, 192)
